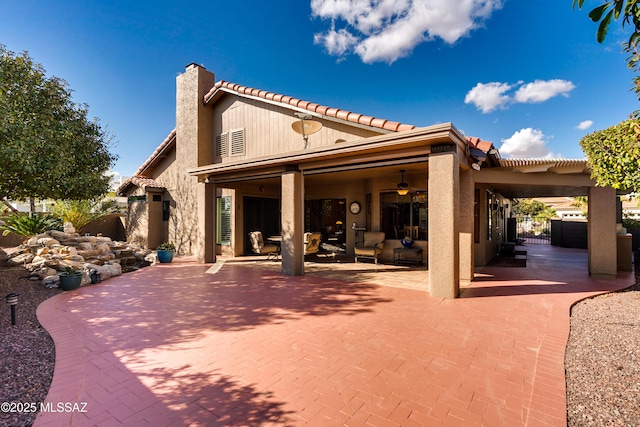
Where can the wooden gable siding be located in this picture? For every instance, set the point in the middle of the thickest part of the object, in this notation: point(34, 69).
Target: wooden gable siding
point(267, 129)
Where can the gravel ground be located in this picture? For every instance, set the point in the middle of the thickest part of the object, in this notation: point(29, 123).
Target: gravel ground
point(28, 353)
point(602, 358)
point(602, 361)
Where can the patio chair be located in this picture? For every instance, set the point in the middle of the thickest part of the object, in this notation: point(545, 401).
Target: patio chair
point(312, 243)
point(372, 246)
point(259, 247)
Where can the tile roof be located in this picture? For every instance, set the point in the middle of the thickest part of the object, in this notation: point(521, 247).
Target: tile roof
point(141, 182)
point(306, 105)
point(480, 144)
point(168, 141)
point(229, 87)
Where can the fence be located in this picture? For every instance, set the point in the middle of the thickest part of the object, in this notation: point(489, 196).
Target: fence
point(534, 231)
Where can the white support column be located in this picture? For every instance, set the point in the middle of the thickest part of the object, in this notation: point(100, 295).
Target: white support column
point(444, 206)
point(206, 233)
point(292, 211)
point(602, 232)
point(466, 225)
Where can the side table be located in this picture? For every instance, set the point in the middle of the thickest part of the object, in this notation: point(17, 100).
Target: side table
point(407, 255)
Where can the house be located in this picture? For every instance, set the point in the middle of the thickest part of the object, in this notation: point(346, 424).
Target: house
point(243, 159)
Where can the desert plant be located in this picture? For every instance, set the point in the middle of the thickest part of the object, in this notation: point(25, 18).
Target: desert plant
point(70, 269)
point(81, 212)
point(29, 224)
point(166, 246)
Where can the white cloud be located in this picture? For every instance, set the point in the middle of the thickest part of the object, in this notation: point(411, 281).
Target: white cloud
point(488, 96)
point(526, 143)
point(336, 42)
point(385, 30)
point(542, 90)
point(491, 96)
point(584, 125)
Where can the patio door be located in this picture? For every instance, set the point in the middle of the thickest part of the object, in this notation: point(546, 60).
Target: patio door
point(327, 216)
point(260, 214)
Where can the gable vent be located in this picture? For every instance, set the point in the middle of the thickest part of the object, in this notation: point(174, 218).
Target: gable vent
point(237, 142)
point(222, 145)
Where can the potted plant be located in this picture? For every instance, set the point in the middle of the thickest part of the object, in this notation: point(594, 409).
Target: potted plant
point(165, 252)
point(70, 279)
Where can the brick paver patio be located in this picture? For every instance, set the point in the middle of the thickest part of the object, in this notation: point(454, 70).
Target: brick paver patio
point(174, 344)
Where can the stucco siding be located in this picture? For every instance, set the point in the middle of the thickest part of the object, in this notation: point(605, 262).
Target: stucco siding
point(267, 129)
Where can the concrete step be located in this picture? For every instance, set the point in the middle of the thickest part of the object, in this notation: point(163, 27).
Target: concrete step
point(520, 260)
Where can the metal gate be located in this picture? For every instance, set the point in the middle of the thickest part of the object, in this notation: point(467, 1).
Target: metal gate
point(533, 231)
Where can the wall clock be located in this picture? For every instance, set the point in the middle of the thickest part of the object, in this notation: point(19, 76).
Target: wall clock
point(354, 208)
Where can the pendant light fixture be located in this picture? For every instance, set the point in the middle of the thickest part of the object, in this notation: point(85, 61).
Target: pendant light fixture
point(403, 187)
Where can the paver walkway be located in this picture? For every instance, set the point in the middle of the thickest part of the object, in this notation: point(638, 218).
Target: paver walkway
point(174, 345)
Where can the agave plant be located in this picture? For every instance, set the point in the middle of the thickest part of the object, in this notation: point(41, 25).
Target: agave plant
point(28, 224)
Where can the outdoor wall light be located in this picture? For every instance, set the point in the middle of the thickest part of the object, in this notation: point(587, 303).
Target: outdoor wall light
point(477, 156)
point(12, 300)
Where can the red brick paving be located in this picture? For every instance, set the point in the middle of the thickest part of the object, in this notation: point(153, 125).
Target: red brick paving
point(173, 345)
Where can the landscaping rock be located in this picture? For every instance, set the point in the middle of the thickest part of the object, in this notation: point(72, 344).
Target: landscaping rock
point(48, 254)
point(20, 259)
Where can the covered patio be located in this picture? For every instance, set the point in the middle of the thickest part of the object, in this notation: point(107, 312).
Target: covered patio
point(239, 343)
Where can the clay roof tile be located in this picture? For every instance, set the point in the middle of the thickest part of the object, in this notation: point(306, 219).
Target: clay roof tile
point(378, 123)
point(348, 116)
point(393, 126)
point(321, 109)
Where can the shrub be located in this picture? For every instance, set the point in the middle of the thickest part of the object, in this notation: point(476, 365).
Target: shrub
point(166, 246)
point(81, 212)
point(29, 224)
point(630, 223)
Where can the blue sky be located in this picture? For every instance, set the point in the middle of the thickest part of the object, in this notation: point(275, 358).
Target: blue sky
point(528, 76)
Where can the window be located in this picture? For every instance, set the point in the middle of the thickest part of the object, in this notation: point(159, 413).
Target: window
point(476, 216)
point(223, 222)
point(489, 216)
point(402, 216)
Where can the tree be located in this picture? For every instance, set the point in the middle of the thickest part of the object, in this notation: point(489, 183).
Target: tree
point(528, 207)
point(614, 155)
point(532, 208)
point(613, 10)
point(49, 149)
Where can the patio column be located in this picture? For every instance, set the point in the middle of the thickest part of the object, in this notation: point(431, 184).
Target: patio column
point(466, 225)
point(601, 230)
point(292, 211)
point(206, 233)
point(444, 206)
